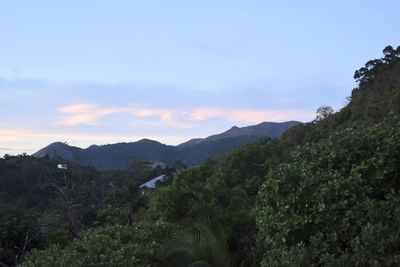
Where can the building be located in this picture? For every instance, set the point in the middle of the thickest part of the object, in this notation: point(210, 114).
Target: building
point(152, 184)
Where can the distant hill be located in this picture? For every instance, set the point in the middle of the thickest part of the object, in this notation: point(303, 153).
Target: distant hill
point(114, 156)
point(271, 129)
point(61, 150)
point(195, 151)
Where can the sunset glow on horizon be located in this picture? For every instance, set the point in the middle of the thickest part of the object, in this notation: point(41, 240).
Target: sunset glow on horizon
point(100, 72)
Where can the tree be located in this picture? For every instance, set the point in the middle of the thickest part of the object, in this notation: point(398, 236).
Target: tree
point(323, 112)
point(335, 202)
point(139, 245)
point(205, 245)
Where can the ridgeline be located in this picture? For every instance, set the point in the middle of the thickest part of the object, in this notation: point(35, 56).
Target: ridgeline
point(326, 193)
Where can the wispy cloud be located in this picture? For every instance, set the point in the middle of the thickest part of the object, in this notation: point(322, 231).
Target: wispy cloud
point(7, 135)
point(90, 114)
point(168, 117)
point(79, 114)
point(97, 113)
point(249, 115)
point(202, 114)
point(7, 149)
point(19, 140)
point(78, 108)
point(80, 119)
point(257, 116)
point(87, 114)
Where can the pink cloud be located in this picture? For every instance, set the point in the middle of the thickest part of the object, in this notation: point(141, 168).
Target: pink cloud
point(248, 115)
point(8, 135)
point(257, 116)
point(149, 112)
point(80, 119)
point(78, 108)
point(90, 114)
point(164, 116)
point(205, 113)
point(86, 114)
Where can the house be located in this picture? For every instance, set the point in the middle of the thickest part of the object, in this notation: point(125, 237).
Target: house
point(152, 183)
point(62, 166)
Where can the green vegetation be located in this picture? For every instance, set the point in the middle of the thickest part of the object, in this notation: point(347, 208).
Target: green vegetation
point(42, 206)
point(335, 202)
point(326, 193)
point(107, 246)
point(203, 245)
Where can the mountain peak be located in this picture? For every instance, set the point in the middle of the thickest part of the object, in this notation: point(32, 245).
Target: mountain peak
point(120, 155)
point(264, 129)
point(148, 141)
point(58, 150)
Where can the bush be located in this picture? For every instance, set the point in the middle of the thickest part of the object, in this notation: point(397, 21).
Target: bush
point(138, 245)
point(336, 203)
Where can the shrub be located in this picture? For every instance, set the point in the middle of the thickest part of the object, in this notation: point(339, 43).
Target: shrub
point(336, 203)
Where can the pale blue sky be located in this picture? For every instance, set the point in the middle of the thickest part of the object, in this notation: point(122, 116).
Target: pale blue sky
point(107, 71)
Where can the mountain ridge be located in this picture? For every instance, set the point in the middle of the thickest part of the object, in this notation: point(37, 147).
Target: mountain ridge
point(271, 129)
point(120, 155)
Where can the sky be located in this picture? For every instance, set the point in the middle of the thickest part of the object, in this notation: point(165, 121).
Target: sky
point(100, 72)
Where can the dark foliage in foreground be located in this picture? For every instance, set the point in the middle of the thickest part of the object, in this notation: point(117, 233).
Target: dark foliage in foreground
point(325, 194)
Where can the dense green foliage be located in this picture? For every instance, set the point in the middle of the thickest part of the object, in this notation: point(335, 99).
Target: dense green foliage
point(336, 202)
point(326, 193)
point(324, 157)
point(224, 191)
point(202, 245)
point(107, 246)
point(41, 205)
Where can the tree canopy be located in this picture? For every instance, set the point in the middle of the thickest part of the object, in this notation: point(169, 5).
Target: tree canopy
point(326, 193)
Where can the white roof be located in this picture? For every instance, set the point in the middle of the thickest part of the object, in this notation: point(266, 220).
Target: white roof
point(62, 166)
point(152, 182)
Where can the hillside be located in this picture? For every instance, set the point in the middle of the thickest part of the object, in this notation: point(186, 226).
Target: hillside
point(271, 129)
point(61, 150)
point(120, 156)
point(325, 193)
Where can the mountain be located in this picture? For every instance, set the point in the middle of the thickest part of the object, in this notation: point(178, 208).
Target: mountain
point(199, 149)
point(119, 156)
point(271, 129)
point(61, 150)
point(114, 156)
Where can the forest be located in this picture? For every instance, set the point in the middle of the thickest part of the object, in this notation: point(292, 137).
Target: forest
point(326, 193)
